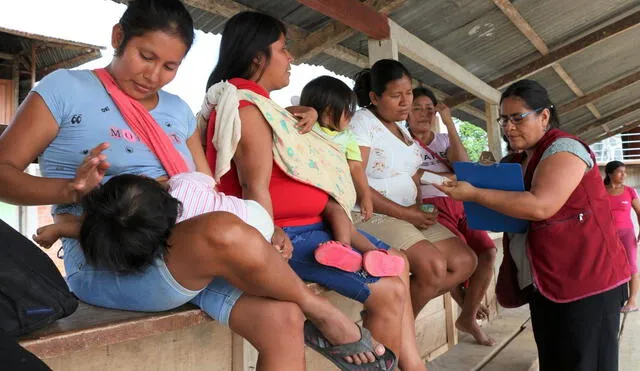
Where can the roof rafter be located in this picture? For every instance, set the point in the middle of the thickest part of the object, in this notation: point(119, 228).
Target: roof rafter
point(335, 32)
point(597, 94)
point(557, 55)
point(516, 18)
point(611, 117)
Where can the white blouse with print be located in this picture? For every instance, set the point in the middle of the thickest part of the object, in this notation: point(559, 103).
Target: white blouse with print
point(391, 162)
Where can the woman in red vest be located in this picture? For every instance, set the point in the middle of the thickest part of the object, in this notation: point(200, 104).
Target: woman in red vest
point(569, 266)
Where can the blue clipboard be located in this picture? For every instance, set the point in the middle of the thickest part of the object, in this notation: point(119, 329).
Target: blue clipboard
point(506, 177)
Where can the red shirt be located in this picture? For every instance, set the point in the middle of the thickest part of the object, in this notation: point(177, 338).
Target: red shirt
point(294, 203)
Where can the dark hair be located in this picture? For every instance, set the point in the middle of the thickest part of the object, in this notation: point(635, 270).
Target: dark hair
point(421, 91)
point(376, 79)
point(246, 36)
point(127, 224)
point(144, 16)
point(535, 96)
point(328, 94)
point(609, 169)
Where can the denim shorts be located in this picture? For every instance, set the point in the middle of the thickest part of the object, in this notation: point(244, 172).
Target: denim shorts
point(305, 240)
point(153, 290)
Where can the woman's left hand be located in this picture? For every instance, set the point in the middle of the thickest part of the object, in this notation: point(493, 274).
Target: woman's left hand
point(307, 116)
point(282, 243)
point(458, 190)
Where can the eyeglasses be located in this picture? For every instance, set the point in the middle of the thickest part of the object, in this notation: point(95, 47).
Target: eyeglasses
point(516, 118)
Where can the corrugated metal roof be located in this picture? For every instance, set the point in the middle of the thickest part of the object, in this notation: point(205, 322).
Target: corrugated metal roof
point(479, 37)
point(50, 52)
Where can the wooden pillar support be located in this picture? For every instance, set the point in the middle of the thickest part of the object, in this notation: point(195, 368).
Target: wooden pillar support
point(494, 135)
point(34, 62)
point(15, 82)
point(382, 49)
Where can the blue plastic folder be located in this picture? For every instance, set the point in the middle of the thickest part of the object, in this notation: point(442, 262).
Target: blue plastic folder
point(506, 177)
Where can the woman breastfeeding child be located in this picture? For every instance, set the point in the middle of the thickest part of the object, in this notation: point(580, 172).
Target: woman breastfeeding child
point(336, 103)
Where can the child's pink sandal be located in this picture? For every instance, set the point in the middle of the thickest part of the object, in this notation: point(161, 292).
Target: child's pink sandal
point(338, 255)
point(379, 263)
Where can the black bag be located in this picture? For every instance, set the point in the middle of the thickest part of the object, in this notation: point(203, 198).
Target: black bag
point(33, 294)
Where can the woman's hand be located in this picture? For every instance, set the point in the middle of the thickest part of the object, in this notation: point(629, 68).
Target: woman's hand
point(282, 243)
point(458, 190)
point(419, 218)
point(445, 113)
point(90, 173)
point(307, 116)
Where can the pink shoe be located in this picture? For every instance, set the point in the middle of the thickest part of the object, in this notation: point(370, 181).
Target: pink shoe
point(338, 255)
point(379, 263)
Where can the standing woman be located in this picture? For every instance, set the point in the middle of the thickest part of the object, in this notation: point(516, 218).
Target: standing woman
point(439, 260)
point(570, 266)
point(215, 260)
point(623, 198)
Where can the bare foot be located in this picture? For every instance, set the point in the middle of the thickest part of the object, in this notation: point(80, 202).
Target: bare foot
point(339, 329)
point(475, 331)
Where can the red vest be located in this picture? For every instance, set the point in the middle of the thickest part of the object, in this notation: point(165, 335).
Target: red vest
point(574, 254)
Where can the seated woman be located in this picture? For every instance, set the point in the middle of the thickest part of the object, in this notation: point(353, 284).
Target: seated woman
point(254, 60)
point(570, 266)
point(439, 150)
point(439, 260)
point(81, 137)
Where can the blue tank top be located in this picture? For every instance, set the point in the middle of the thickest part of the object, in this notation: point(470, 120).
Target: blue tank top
point(87, 116)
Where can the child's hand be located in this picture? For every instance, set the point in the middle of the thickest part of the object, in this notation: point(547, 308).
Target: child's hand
point(366, 208)
point(307, 116)
point(46, 236)
point(282, 243)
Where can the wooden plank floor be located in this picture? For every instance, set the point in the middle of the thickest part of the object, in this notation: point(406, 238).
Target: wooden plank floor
point(510, 328)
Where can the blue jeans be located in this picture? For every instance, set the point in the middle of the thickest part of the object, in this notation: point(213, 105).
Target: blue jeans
point(152, 290)
point(305, 240)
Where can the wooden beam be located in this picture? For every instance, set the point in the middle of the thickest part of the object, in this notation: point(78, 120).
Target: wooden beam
point(556, 55)
point(494, 134)
point(614, 116)
point(361, 17)
point(609, 133)
point(518, 20)
point(15, 82)
point(603, 91)
point(7, 56)
point(382, 49)
point(335, 32)
point(34, 63)
point(434, 60)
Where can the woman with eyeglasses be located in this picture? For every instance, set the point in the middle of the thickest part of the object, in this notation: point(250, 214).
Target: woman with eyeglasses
point(570, 265)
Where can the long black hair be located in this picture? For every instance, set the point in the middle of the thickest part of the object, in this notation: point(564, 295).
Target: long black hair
point(376, 79)
point(609, 169)
point(535, 96)
point(144, 16)
point(330, 95)
point(127, 223)
point(246, 35)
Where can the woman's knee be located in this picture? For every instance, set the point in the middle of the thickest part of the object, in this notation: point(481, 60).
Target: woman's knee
point(284, 316)
point(427, 263)
point(390, 292)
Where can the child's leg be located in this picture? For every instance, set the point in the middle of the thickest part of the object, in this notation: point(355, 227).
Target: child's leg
point(360, 242)
point(339, 221)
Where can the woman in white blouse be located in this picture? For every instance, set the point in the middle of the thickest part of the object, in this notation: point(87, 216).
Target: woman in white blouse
point(438, 259)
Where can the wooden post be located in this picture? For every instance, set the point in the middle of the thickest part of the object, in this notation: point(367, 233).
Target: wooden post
point(450, 315)
point(34, 62)
point(494, 134)
point(382, 49)
point(244, 355)
point(15, 82)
